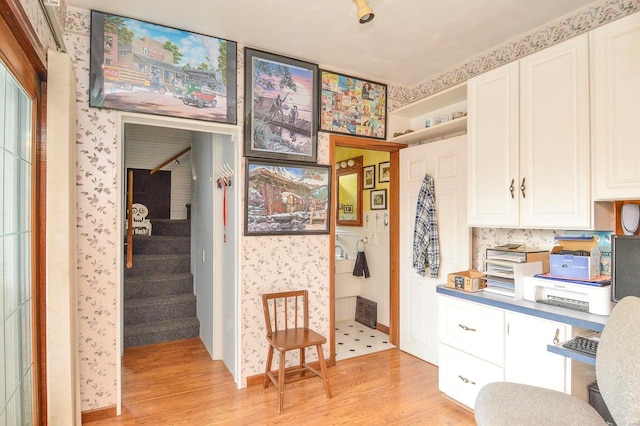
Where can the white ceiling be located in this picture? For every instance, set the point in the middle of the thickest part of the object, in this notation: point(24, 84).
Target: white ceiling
point(407, 42)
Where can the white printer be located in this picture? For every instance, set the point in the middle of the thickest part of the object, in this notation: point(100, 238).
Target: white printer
point(582, 297)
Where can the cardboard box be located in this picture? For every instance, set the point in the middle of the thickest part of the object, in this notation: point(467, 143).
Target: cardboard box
point(467, 280)
point(572, 266)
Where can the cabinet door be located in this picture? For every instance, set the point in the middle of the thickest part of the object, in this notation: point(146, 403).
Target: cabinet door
point(526, 357)
point(554, 137)
point(616, 90)
point(493, 147)
point(461, 376)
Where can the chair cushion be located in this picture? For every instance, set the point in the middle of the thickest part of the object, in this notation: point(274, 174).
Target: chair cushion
point(295, 338)
point(509, 404)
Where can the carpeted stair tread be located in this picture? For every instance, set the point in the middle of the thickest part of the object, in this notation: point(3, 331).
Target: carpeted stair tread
point(160, 308)
point(171, 227)
point(158, 285)
point(161, 244)
point(145, 264)
point(161, 331)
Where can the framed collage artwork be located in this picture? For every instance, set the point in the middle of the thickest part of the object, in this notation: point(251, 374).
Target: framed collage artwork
point(280, 107)
point(352, 106)
point(142, 67)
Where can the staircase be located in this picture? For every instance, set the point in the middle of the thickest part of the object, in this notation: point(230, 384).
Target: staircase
point(159, 305)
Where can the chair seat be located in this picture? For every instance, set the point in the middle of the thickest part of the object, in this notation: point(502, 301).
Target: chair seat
point(531, 406)
point(295, 338)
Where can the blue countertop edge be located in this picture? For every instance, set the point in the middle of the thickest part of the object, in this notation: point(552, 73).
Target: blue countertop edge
point(540, 310)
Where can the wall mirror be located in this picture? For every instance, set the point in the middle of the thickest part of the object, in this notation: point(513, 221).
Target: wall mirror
point(349, 192)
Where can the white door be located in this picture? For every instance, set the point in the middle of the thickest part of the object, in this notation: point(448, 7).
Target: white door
point(446, 162)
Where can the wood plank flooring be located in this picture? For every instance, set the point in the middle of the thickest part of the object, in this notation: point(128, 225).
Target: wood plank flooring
point(176, 383)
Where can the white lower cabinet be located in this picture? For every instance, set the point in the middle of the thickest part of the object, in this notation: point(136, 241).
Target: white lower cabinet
point(480, 344)
point(461, 375)
point(526, 357)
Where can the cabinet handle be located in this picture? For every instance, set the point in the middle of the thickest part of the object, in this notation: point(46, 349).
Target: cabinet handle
point(511, 188)
point(522, 188)
point(465, 328)
point(556, 339)
point(467, 381)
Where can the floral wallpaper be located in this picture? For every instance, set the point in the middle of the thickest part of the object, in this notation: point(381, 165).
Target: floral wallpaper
point(38, 20)
point(268, 263)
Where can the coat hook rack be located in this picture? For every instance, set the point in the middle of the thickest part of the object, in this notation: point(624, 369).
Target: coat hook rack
point(223, 177)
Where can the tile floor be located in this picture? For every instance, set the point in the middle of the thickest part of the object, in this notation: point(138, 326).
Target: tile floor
point(354, 339)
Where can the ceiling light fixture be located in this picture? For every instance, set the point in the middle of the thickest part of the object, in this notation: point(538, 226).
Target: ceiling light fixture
point(365, 13)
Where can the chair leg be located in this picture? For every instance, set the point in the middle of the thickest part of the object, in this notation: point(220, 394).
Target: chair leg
point(302, 362)
point(268, 369)
point(281, 383)
point(323, 369)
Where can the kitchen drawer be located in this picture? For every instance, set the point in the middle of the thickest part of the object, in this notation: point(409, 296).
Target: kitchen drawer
point(472, 328)
point(461, 376)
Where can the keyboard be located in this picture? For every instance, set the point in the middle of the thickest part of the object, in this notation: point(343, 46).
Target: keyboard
point(582, 344)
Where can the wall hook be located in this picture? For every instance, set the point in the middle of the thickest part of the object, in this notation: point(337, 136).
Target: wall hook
point(386, 219)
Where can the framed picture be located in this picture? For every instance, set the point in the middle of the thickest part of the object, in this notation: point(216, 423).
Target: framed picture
point(369, 177)
point(348, 209)
point(148, 68)
point(384, 172)
point(287, 198)
point(280, 107)
point(352, 106)
point(378, 199)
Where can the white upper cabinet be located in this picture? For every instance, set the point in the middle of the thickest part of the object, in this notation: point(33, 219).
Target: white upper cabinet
point(529, 141)
point(616, 108)
point(554, 137)
point(493, 147)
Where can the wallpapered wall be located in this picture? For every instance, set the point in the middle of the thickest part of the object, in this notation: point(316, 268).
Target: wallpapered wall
point(268, 263)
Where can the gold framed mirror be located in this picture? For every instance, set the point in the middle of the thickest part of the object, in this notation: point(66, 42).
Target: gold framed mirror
point(349, 192)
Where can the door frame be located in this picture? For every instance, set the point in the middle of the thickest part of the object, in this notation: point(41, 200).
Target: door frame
point(394, 232)
point(122, 119)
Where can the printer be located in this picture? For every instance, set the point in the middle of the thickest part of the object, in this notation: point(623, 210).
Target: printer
point(582, 297)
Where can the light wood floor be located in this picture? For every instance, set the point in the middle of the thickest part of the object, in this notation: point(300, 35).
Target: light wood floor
point(177, 384)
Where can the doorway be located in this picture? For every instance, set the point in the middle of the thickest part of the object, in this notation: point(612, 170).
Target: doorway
point(393, 221)
point(214, 247)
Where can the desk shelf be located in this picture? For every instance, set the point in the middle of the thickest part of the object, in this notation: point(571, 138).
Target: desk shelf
point(578, 356)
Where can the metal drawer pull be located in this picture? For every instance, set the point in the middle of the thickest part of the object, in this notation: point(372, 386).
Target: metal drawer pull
point(465, 328)
point(522, 188)
point(511, 188)
point(556, 339)
point(467, 381)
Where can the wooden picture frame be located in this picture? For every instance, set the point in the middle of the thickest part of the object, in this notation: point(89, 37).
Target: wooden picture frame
point(369, 177)
point(148, 68)
point(378, 199)
point(352, 106)
point(284, 197)
point(280, 117)
point(384, 170)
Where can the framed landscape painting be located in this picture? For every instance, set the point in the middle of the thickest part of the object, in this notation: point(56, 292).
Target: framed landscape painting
point(148, 68)
point(352, 106)
point(280, 107)
point(287, 198)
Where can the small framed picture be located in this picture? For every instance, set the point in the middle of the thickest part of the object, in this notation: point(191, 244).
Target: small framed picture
point(369, 177)
point(378, 199)
point(384, 172)
point(348, 209)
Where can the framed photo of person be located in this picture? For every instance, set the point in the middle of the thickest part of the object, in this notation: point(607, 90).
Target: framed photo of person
point(378, 199)
point(384, 172)
point(352, 106)
point(281, 111)
point(369, 177)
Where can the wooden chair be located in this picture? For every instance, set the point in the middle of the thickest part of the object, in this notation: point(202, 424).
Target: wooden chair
point(283, 313)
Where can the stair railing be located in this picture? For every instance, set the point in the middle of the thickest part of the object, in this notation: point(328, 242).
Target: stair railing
point(174, 158)
point(130, 221)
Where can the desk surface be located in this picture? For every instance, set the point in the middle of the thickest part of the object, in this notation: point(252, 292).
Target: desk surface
point(540, 310)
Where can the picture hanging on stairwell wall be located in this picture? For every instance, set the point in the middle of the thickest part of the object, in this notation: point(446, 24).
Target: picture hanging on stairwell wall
point(280, 119)
point(352, 106)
